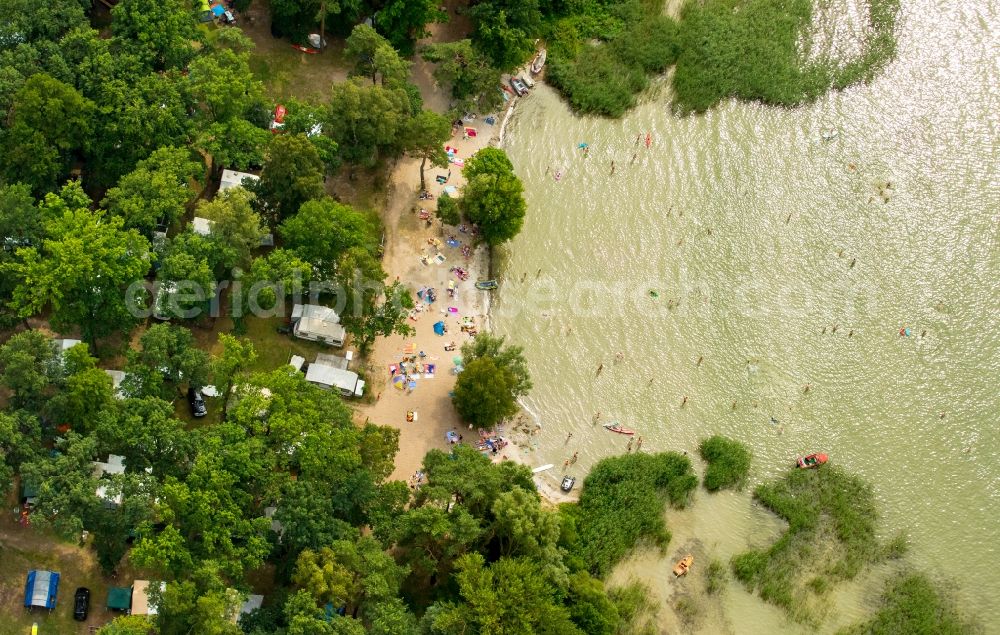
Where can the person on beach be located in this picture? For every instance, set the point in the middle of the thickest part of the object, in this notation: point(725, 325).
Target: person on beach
point(547, 168)
point(638, 138)
point(597, 416)
point(565, 464)
point(806, 388)
point(629, 448)
point(572, 461)
point(638, 446)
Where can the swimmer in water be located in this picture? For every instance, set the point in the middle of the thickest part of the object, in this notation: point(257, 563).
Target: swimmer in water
point(600, 368)
point(701, 358)
point(612, 168)
point(684, 401)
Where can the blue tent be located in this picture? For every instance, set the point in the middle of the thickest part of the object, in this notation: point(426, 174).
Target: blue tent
point(217, 10)
point(439, 328)
point(40, 589)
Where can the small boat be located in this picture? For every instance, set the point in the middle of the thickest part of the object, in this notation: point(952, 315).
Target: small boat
point(567, 483)
point(486, 285)
point(538, 62)
point(829, 133)
point(526, 79)
point(518, 87)
point(813, 460)
point(683, 565)
point(617, 427)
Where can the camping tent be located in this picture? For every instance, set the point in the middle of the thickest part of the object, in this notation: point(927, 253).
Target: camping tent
point(41, 588)
point(119, 598)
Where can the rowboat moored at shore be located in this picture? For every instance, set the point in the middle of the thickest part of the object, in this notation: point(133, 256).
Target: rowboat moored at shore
point(538, 62)
point(619, 428)
point(813, 460)
point(682, 566)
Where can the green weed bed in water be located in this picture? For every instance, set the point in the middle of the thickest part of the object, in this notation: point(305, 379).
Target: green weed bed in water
point(913, 604)
point(602, 54)
point(728, 463)
point(622, 501)
point(749, 49)
point(831, 519)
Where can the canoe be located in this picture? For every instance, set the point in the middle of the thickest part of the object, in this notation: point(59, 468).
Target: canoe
point(811, 461)
point(538, 62)
point(486, 285)
point(682, 566)
point(617, 427)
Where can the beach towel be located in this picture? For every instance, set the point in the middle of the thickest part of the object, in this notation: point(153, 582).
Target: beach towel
point(412, 385)
point(471, 132)
point(450, 190)
point(450, 150)
point(459, 162)
point(430, 368)
point(453, 309)
point(453, 243)
point(439, 258)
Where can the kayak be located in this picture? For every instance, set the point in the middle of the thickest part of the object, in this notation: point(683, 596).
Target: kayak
point(813, 460)
point(682, 566)
point(617, 427)
point(486, 285)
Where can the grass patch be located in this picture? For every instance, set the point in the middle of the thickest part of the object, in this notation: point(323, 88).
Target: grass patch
point(831, 519)
point(636, 609)
point(622, 501)
point(913, 604)
point(715, 577)
point(275, 349)
point(750, 49)
point(728, 463)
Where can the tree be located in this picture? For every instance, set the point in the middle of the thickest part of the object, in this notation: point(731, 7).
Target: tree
point(589, 606)
point(323, 230)
point(508, 357)
point(145, 432)
point(271, 279)
point(20, 219)
point(375, 57)
point(127, 625)
point(448, 210)
point(202, 602)
point(426, 134)
point(235, 143)
point(224, 86)
point(503, 29)
point(156, 192)
point(495, 203)
point(484, 393)
point(86, 395)
point(404, 21)
point(28, 365)
point(20, 441)
point(385, 319)
point(469, 75)
point(488, 161)
point(367, 120)
point(31, 25)
point(292, 175)
point(237, 356)
point(236, 228)
point(190, 264)
point(160, 32)
point(507, 597)
point(49, 122)
point(66, 485)
point(166, 353)
point(80, 270)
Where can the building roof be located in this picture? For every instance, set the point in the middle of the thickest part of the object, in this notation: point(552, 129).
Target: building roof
point(232, 178)
point(253, 602)
point(201, 226)
point(345, 380)
point(119, 598)
point(140, 597)
point(297, 362)
point(332, 360)
point(315, 311)
point(64, 345)
point(321, 328)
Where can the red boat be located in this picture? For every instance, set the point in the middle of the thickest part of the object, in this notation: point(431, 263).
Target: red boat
point(617, 427)
point(813, 460)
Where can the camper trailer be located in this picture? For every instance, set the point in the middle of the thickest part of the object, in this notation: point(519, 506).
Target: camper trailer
point(318, 324)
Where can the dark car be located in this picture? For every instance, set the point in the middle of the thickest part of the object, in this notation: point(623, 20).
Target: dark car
point(197, 402)
point(81, 604)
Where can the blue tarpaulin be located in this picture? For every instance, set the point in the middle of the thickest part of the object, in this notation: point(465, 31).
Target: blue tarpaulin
point(439, 328)
point(217, 10)
point(41, 588)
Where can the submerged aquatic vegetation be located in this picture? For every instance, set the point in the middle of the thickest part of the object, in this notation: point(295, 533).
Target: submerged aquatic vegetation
point(912, 603)
point(728, 463)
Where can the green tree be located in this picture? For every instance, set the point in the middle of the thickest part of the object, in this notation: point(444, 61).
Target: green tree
point(234, 143)
point(508, 357)
point(426, 134)
point(66, 485)
point(20, 219)
point(292, 175)
point(506, 597)
point(236, 227)
point(236, 357)
point(496, 204)
point(488, 161)
point(24, 23)
point(145, 432)
point(166, 355)
point(589, 606)
point(503, 30)
point(20, 441)
point(190, 264)
point(157, 191)
point(86, 395)
point(127, 625)
point(271, 279)
point(80, 271)
point(161, 33)
point(367, 121)
point(448, 210)
point(385, 319)
point(224, 86)
point(29, 363)
point(49, 122)
point(203, 603)
point(405, 21)
point(375, 57)
point(468, 74)
point(484, 393)
point(323, 231)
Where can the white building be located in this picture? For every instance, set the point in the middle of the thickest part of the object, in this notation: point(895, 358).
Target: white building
point(318, 323)
point(115, 465)
point(232, 178)
point(201, 226)
point(327, 377)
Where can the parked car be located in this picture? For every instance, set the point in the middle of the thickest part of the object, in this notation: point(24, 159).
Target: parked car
point(197, 402)
point(81, 604)
point(518, 86)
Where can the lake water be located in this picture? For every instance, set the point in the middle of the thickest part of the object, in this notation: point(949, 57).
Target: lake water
point(783, 260)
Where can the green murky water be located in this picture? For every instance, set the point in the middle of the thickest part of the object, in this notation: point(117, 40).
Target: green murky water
point(777, 261)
